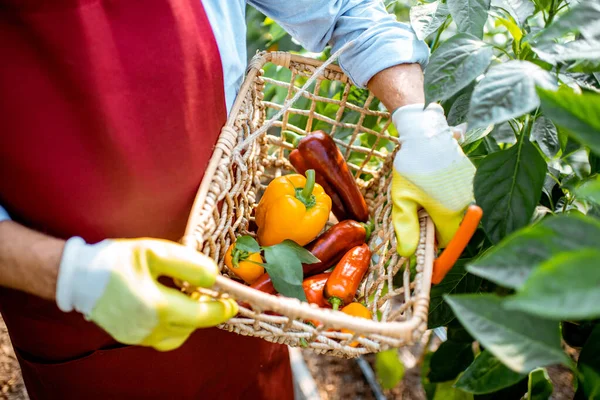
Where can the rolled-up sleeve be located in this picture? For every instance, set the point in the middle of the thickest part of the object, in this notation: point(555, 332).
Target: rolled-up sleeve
point(3, 215)
point(383, 41)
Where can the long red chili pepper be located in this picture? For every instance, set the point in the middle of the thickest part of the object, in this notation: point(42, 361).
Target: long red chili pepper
point(320, 152)
point(343, 283)
point(337, 205)
point(264, 284)
point(313, 289)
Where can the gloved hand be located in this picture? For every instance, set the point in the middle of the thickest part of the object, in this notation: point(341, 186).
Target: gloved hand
point(430, 171)
point(114, 283)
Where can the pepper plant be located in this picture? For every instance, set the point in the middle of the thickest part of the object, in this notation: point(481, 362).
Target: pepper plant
point(524, 75)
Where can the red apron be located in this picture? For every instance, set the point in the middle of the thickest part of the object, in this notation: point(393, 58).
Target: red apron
point(109, 111)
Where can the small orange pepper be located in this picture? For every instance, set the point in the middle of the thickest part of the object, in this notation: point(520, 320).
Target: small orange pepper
point(356, 310)
point(243, 264)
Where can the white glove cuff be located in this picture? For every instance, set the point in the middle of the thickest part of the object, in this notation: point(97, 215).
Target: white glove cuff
point(414, 121)
point(82, 276)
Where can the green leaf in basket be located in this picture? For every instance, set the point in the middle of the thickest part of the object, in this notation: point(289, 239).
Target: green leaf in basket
point(284, 266)
point(247, 243)
point(305, 256)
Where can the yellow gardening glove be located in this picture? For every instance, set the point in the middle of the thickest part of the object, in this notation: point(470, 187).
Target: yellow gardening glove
point(431, 172)
point(114, 283)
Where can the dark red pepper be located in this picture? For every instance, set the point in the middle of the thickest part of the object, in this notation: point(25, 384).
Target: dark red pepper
point(320, 152)
point(331, 246)
point(337, 205)
point(313, 288)
point(343, 283)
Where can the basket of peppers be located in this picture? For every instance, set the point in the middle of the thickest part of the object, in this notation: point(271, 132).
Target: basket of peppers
point(299, 219)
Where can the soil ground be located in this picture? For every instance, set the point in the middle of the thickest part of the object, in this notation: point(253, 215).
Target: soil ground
point(336, 378)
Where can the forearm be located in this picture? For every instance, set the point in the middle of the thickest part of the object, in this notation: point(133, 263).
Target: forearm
point(29, 260)
point(398, 86)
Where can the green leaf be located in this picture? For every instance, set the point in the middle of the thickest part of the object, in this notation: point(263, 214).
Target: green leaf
point(590, 384)
point(455, 64)
point(545, 134)
point(503, 133)
point(285, 270)
point(520, 10)
point(511, 262)
point(446, 391)
point(582, 54)
point(389, 368)
point(513, 28)
point(470, 15)
point(590, 190)
point(487, 374)
point(594, 163)
point(476, 134)
point(507, 91)
point(247, 243)
point(573, 113)
point(564, 287)
point(543, 4)
point(428, 18)
point(455, 282)
point(305, 256)
point(508, 186)
point(540, 386)
point(588, 365)
point(521, 341)
point(449, 360)
point(582, 18)
point(456, 333)
point(459, 110)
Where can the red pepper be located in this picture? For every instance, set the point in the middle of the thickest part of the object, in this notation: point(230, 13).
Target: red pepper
point(313, 288)
point(331, 246)
point(264, 284)
point(337, 205)
point(342, 285)
point(320, 152)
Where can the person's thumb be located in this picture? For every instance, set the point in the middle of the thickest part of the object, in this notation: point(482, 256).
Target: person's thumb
point(446, 224)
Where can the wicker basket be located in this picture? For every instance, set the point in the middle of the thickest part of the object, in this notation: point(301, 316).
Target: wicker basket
point(236, 178)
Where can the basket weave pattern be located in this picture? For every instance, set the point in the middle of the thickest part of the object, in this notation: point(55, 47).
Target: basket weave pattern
point(236, 177)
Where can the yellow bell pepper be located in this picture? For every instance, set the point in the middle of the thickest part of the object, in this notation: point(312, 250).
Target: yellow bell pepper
point(293, 207)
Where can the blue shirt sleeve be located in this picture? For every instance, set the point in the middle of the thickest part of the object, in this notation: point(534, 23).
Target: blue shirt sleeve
point(383, 42)
point(3, 215)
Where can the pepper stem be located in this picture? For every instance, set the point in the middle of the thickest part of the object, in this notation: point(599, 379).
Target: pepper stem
point(305, 194)
point(336, 302)
point(310, 184)
point(369, 227)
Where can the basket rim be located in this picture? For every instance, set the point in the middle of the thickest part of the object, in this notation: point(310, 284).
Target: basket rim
point(338, 319)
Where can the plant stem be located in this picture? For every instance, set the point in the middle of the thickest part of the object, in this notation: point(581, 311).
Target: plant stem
point(504, 51)
point(551, 13)
point(436, 41)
